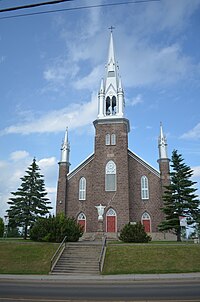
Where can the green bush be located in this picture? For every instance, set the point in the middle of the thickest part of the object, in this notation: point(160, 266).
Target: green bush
point(55, 228)
point(134, 233)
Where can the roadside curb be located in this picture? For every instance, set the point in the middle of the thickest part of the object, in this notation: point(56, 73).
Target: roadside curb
point(101, 278)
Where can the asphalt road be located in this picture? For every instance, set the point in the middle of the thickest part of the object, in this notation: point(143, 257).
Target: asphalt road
point(46, 291)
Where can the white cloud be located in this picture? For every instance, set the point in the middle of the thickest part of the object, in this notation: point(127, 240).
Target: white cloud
point(91, 80)
point(196, 171)
point(18, 155)
point(134, 101)
point(60, 71)
point(154, 64)
point(47, 162)
point(74, 116)
point(193, 133)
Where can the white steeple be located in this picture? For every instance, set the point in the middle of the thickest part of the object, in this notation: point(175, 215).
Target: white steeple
point(111, 95)
point(162, 144)
point(65, 149)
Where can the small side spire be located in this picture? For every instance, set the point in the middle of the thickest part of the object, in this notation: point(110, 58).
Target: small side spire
point(162, 144)
point(65, 149)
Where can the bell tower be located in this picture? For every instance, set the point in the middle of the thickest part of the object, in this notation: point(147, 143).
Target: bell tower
point(111, 95)
point(111, 144)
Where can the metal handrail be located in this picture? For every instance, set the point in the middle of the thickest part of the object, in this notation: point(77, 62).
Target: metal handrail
point(58, 253)
point(102, 255)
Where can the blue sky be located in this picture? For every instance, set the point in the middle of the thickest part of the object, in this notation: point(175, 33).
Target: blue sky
point(50, 71)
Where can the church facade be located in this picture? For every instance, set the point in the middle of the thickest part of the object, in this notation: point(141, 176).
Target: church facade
point(128, 187)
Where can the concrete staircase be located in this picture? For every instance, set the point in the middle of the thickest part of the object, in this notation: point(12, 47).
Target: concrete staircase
point(79, 258)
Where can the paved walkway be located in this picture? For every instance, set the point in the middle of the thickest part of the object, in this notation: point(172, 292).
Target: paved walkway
point(101, 278)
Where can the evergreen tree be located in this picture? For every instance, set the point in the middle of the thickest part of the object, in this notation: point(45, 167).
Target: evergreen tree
point(179, 198)
point(29, 201)
point(1, 227)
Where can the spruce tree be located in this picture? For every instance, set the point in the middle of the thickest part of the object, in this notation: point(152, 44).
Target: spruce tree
point(29, 201)
point(179, 197)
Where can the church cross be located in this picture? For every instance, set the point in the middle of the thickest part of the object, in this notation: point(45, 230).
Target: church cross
point(111, 28)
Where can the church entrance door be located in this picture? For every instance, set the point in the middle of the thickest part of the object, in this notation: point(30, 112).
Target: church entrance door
point(146, 221)
point(111, 221)
point(82, 221)
point(146, 224)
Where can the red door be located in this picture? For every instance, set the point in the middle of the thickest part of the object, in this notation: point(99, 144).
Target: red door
point(146, 224)
point(82, 223)
point(111, 224)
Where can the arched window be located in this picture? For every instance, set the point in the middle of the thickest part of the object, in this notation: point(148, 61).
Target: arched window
point(107, 139)
point(82, 188)
point(144, 187)
point(108, 106)
point(113, 139)
point(114, 104)
point(110, 176)
point(81, 216)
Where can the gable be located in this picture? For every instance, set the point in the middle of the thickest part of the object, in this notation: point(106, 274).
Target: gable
point(143, 163)
point(80, 166)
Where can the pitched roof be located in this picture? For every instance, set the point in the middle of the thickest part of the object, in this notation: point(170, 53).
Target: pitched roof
point(143, 162)
point(80, 166)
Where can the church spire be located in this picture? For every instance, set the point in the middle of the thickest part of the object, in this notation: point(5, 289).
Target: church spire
point(65, 149)
point(111, 95)
point(162, 144)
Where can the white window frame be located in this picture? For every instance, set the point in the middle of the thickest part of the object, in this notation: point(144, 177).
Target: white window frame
point(113, 139)
point(107, 139)
point(110, 176)
point(144, 188)
point(82, 188)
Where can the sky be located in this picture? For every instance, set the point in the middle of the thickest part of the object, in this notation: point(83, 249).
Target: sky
point(50, 70)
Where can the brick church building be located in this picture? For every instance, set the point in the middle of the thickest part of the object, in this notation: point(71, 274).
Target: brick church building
point(114, 176)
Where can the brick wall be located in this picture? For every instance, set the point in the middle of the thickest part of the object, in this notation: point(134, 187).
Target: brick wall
point(138, 205)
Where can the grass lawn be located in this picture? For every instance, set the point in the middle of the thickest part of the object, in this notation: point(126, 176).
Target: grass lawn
point(24, 257)
point(151, 259)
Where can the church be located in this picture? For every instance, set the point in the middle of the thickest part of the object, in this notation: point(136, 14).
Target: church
point(129, 189)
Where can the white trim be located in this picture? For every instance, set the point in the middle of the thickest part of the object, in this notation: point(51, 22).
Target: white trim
point(82, 188)
point(144, 187)
point(144, 163)
point(80, 166)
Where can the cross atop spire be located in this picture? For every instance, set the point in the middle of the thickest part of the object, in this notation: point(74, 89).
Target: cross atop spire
point(111, 95)
point(111, 28)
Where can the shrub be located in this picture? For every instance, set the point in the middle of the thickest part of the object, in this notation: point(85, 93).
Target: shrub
point(54, 229)
point(134, 233)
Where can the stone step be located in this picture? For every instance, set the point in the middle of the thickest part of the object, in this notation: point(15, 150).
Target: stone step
point(76, 269)
point(79, 258)
point(77, 265)
point(67, 263)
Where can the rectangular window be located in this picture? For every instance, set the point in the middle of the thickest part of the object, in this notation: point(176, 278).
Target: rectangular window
point(107, 139)
point(82, 189)
point(110, 182)
point(144, 187)
point(113, 139)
